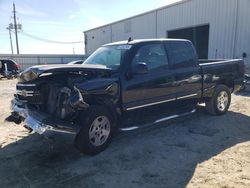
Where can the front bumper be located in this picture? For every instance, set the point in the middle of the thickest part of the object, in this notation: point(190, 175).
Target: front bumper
point(39, 121)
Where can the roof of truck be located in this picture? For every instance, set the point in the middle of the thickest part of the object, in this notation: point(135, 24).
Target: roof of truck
point(142, 41)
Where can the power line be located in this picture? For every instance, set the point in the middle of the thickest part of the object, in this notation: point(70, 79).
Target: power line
point(48, 40)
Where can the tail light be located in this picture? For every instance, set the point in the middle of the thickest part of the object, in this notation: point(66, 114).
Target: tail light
point(18, 67)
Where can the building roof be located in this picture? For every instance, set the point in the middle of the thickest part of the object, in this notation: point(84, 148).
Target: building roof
point(148, 12)
point(142, 41)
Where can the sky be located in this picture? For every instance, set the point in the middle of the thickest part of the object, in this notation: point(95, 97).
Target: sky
point(63, 21)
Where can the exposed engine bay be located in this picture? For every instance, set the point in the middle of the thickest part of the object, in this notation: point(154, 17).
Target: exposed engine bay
point(62, 100)
point(54, 95)
point(62, 94)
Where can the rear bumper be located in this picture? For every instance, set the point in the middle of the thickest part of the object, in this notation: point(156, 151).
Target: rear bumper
point(247, 79)
point(238, 83)
point(39, 121)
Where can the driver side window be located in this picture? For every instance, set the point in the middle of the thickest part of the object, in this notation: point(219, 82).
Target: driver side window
point(153, 55)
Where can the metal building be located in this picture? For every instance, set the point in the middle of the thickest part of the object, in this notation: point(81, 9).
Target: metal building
point(218, 28)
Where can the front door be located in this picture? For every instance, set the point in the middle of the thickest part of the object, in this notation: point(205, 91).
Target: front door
point(154, 87)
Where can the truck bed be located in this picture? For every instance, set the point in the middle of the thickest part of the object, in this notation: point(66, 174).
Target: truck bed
point(215, 72)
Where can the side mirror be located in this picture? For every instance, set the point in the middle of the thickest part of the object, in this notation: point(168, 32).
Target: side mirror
point(140, 68)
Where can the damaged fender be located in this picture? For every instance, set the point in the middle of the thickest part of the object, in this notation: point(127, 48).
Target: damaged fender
point(100, 86)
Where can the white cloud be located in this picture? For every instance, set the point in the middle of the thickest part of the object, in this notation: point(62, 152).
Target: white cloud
point(72, 16)
point(29, 11)
point(46, 22)
point(94, 21)
point(88, 20)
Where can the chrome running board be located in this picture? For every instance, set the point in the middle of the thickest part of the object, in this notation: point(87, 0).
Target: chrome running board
point(132, 128)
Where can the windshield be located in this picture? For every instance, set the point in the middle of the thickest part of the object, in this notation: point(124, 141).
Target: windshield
point(110, 56)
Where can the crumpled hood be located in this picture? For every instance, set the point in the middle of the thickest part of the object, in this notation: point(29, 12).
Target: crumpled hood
point(36, 71)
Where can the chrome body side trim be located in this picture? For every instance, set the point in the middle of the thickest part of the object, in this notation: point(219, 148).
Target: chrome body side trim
point(150, 104)
point(187, 96)
point(160, 102)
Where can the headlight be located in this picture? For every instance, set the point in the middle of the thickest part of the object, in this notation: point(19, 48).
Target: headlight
point(27, 75)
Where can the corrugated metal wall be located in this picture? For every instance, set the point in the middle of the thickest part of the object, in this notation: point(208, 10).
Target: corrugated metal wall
point(219, 14)
point(243, 31)
point(138, 27)
point(97, 38)
point(229, 33)
point(26, 61)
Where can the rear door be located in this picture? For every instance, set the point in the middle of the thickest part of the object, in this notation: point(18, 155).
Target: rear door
point(188, 80)
point(154, 87)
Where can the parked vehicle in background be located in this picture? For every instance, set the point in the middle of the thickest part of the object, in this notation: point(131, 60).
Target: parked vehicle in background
point(125, 85)
point(77, 62)
point(9, 68)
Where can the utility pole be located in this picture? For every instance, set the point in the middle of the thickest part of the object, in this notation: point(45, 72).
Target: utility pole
point(15, 26)
point(9, 28)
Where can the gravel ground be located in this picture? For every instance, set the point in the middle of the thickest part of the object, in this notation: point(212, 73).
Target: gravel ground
point(196, 151)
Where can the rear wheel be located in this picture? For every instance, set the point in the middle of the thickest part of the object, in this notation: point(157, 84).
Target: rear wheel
point(97, 131)
point(220, 101)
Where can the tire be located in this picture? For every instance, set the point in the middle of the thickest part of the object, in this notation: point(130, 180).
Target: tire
point(96, 132)
point(220, 101)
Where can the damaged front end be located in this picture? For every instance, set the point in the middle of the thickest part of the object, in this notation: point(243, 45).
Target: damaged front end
point(59, 116)
point(53, 99)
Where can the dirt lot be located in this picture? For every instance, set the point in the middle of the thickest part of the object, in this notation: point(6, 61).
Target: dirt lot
point(195, 151)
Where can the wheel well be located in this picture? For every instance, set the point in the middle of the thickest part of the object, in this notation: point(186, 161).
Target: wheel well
point(108, 103)
point(228, 83)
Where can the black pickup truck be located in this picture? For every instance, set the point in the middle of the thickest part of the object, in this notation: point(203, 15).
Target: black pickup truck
point(124, 85)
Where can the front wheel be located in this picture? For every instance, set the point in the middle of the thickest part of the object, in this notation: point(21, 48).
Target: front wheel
point(97, 131)
point(220, 101)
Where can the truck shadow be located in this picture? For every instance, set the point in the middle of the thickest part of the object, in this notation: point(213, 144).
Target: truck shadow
point(162, 156)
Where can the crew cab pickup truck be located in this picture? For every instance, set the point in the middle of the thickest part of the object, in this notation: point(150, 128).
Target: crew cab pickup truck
point(123, 86)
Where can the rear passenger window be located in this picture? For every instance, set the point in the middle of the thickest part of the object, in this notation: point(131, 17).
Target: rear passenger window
point(153, 55)
point(181, 54)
